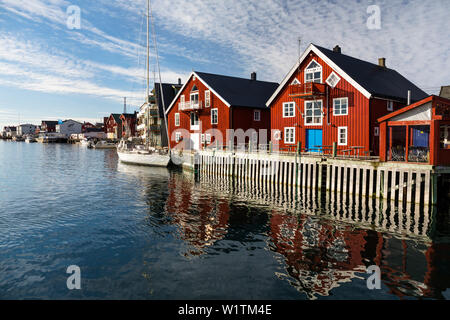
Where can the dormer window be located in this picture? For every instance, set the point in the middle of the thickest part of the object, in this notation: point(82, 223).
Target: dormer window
point(194, 96)
point(313, 72)
point(295, 82)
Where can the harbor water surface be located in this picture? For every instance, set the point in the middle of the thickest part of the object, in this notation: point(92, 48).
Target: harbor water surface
point(149, 233)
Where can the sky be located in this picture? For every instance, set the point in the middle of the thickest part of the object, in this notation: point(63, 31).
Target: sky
point(50, 69)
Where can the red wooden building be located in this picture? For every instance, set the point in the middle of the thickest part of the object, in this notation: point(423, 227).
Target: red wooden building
point(129, 122)
point(418, 133)
point(331, 97)
point(208, 105)
point(114, 127)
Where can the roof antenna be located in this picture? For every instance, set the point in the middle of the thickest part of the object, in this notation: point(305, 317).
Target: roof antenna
point(299, 48)
point(124, 105)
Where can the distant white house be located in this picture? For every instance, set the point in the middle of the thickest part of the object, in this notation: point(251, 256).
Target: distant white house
point(9, 132)
point(69, 127)
point(25, 129)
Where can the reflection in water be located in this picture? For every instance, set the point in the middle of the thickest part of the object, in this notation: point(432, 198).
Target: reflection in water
point(325, 242)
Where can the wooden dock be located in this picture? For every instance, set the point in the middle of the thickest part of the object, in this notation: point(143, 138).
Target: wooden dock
point(350, 178)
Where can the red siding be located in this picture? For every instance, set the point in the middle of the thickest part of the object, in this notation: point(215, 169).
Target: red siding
point(204, 114)
point(361, 120)
point(243, 118)
point(357, 120)
point(229, 118)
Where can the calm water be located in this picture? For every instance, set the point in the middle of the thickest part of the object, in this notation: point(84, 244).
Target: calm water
point(144, 233)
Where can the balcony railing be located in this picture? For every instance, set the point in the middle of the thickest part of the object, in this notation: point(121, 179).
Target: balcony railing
point(307, 89)
point(191, 105)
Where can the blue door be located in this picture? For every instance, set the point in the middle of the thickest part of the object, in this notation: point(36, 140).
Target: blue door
point(313, 140)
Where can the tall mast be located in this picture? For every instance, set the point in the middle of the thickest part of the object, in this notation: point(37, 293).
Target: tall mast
point(147, 99)
point(159, 73)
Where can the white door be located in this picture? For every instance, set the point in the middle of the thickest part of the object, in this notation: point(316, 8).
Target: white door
point(195, 141)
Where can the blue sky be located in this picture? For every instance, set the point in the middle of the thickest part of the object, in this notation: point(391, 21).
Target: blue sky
point(48, 71)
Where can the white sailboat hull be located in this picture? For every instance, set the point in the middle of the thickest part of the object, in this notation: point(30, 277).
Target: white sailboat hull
point(151, 159)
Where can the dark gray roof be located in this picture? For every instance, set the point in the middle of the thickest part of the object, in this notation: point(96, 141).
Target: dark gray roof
point(116, 117)
point(169, 92)
point(50, 122)
point(379, 81)
point(240, 92)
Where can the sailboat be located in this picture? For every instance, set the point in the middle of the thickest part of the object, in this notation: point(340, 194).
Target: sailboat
point(147, 155)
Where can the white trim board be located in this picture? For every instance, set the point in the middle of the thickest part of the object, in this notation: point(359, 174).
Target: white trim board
point(193, 73)
point(329, 62)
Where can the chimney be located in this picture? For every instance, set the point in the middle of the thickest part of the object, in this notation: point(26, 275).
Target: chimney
point(409, 97)
point(337, 49)
point(253, 76)
point(179, 81)
point(382, 62)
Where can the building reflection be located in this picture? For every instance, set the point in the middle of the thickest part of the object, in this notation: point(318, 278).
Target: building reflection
point(325, 243)
point(202, 219)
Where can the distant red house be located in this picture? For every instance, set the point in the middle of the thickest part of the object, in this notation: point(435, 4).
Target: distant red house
point(330, 97)
point(48, 126)
point(418, 133)
point(114, 127)
point(208, 105)
point(129, 121)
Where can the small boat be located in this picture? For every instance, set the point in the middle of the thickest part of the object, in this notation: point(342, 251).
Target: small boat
point(18, 139)
point(30, 139)
point(85, 142)
point(104, 145)
point(139, 155)
point(51, 137)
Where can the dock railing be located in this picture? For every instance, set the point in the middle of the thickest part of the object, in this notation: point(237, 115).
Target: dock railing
point(328, 151)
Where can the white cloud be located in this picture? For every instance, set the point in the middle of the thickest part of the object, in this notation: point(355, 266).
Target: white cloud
point(27, 65)
point(263, 33)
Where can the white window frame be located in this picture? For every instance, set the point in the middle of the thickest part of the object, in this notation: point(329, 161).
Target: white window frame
point(390, 105)
point(286, 135)
point(177, 119)
point(194, 126)
point(256, 118)
point(177, 137)
point(339, 136)
point(340, 108)
point(328, 79)
point(207, 98)
point(295, 82)
point(293, 109)
point(321, 112)
point(203, 138)
point(182, 99)
point(216, 111)
point(192, 101)
point(314, 70)
point(208, 138)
